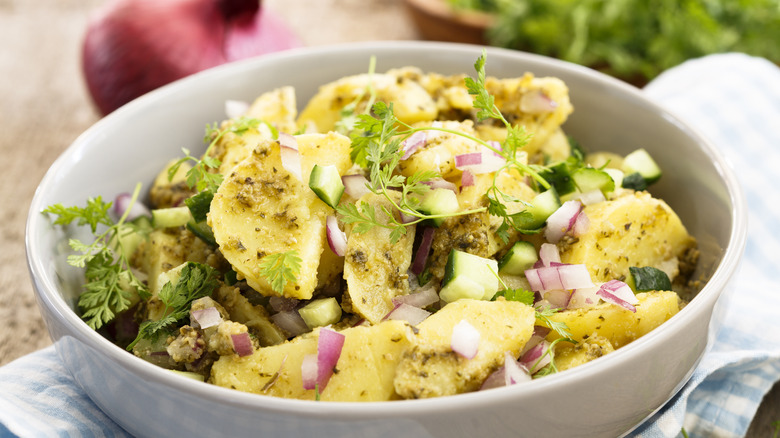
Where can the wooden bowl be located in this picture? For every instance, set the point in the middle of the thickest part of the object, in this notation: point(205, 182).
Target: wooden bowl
point(436, 20)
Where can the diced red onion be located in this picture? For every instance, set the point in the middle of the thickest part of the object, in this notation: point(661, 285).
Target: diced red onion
point(514, 371)
point(537, 102)
point(466, 179)
point(337, 239)
point(329, 347)
point(558, 298)
point(291, 322)
point(405, 312)
point(208, 317)
point(355, 185)
point(558, 276)
point(282, 304)
point(562, 220)
point(581, 225)
point(242, 344)
point(235, 108)
point(496, 379)
point(536, 358)
point(412, 143)
point(584, 297)
point(549, 253)
point(479, 162)
point(137, 209)
point(538, 335)
point(291, 157)
point(407, 218)
point(618, 293)
point(495, 145)
point(441, 184)
point(465, 339)
point(421, 256)
point(309, 371)
point(592, 197)
point(422, 298)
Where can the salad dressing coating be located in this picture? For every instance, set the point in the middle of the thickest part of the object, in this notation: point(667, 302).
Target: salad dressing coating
point(275, 255)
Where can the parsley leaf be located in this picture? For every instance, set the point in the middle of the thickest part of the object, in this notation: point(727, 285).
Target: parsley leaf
point(279, 268)
point(109, 281)
point(195, 281)
point(524, 296)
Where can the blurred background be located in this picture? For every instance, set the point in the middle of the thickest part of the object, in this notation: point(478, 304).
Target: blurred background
point(47, 99)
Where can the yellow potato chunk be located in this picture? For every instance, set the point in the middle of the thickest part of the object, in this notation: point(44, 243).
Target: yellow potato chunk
point(277, 107)
point(632, 230)
point(568, 356)
point(438, 153)
point(366, 367)
point(616, 324)
point(262, 209)
point(411, 103)
point(432, 369)
point(375, 267)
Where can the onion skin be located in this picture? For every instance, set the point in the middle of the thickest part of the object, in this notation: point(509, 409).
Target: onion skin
point(132, 47)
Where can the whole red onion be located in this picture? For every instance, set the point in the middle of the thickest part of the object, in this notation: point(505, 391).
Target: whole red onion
point(134, 46)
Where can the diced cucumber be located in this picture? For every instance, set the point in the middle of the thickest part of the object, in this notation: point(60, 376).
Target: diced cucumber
point(616, 175)
point(520, 257)
point(648, 278)
point(439, 202)
point(325, 182)
point(321, 312)
point(559, 176)
point(542, 206)
point(588, 179)
point(642, 163)
point(469, 276)
point(202, 231)
point(171, 217)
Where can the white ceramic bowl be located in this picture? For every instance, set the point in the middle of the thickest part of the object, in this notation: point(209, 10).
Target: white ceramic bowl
point(607, 397)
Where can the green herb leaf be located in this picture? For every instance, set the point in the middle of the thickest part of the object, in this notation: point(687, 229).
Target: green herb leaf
point(520, 295)
point(649, 278)
point(279, 268)
point(195, 281)
point(109, 280)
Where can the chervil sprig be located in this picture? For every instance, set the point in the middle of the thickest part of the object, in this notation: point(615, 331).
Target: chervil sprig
point(378, 141)
point(279, 268)
point(109, 280)
point(203, 176)
point(195, 281)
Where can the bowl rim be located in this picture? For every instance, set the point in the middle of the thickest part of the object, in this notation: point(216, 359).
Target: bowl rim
point(46, 290)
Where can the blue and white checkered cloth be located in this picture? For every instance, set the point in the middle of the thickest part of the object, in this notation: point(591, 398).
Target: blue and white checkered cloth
point(733, 99)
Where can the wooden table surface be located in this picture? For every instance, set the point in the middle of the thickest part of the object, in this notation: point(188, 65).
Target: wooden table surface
point(44, 106)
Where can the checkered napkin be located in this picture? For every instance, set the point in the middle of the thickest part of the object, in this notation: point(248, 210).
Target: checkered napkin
point(734, 100)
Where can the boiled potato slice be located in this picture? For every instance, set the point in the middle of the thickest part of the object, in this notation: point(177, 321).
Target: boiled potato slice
point(632, 230)
point(411, 103)
point(375, 267)
point(438, 153)
point(262, 209)
point(254, 317)
point(616, 324)
point(515, 98)
point(432, 369)
point(568, 356)
point(277, 107)
point(366, 367)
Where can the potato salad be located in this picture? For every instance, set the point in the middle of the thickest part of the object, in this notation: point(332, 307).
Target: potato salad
point(403, 235)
